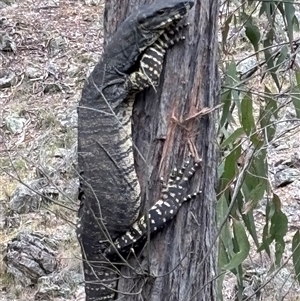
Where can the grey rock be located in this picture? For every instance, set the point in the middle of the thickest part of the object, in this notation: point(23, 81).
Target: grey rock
point(48, 288)
point(56, 45)
point(246, 65)
point(7, 43)
point(29, 197)
point(33, 72)
point(69, 118)
point(92, 2)
point(30, 256)
point(7, 79)
point(15, 124)
point(294, 160)
point(25, 199)
point(2, 215)
point(285, 175)
point(57, 163)
point(8, 219)
point(5, 3)
point(74, 70)
point(58, 284)
point(70, 190)
point(281, 146)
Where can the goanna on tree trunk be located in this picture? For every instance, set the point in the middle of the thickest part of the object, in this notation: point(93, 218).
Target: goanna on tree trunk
point(174, 266)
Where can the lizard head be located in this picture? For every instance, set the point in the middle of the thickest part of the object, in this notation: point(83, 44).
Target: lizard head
point(153, 19)
point(160, 15)
point(141, 29)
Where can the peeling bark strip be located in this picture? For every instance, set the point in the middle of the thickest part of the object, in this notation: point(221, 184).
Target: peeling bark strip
point(173, 266)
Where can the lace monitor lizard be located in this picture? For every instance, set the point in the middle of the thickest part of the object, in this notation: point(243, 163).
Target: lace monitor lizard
point(110, 196)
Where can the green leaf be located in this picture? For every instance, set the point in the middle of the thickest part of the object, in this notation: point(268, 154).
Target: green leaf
point(222, 209)
point(256, 179)
point(250, 225)
point(238, 272)
point(225, 29)
point(257, 193)
point(260, 166)
point(227, 95)
point(268, 113)
point(247, 114)
point(279, 227)
point(231, 74)
point(230, 168)
point(268, 7)
point(296, 254)
point(226, 100)
point(269, 57)
point(233, 137)
point(276, 202)
point(295, 94)
point(289, 15)
point(225, 236)
point(266, 240)
point(252, 33)
point(283, 54)
point(247, 217)
point(296, 23)
point(243, 244)
point(222, 260)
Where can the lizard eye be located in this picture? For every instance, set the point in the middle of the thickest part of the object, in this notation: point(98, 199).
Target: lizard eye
point(161, 12)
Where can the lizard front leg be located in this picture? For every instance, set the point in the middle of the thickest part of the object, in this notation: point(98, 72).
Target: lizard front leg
point(151, 63)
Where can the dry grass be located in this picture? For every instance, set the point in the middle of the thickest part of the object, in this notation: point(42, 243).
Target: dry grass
point(57, 43)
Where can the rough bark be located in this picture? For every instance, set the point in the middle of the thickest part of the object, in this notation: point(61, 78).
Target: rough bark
point(164, 133)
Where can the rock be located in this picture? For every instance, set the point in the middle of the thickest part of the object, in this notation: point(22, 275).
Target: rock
point(8, 219)
point(30, 256)
point(71, 191)
point(4, 3)
point(7, 79)
point(74, 70)
point(56, 45)
point(58, 284)
point(68, 118)
point(7, 43)
point(12, 220)
point(15, 124)
point(2, 214)
point(285, 175)
point(92, 2)
point(57, 180)
point(294, 160)
point(33, 72)
point(58, 162)
point(49, 288)
point(25, 199)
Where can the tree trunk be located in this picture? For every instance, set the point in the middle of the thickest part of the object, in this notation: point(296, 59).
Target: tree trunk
point(180, 262)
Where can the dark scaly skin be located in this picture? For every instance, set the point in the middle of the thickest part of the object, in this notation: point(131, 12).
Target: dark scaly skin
point(110, 191)
point(173, 196)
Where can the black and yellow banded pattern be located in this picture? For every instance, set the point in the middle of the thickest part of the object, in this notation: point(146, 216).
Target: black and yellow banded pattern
point(110, 197)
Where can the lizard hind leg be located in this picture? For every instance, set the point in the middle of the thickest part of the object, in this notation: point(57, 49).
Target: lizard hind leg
point(177, 175)
point(173, 196)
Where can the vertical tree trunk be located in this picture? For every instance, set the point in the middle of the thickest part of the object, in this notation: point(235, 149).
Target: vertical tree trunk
point(175, 265)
